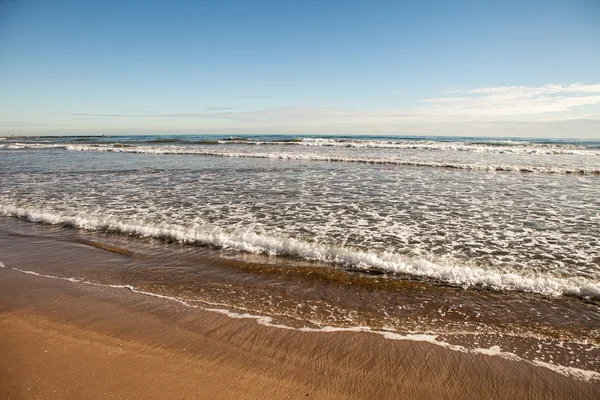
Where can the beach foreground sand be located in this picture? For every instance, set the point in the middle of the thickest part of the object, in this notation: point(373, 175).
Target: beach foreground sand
point(64, 340)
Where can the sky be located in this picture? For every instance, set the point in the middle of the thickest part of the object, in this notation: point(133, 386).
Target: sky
point(430, 67)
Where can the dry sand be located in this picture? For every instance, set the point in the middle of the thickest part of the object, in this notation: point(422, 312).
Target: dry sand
point(62, 340)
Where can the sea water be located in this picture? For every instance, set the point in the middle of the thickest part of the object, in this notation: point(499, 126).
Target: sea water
point(457, 236)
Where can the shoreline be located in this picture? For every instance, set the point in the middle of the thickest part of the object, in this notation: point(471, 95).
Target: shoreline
point(108, 342)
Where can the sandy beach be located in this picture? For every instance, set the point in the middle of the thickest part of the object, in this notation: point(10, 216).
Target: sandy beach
point(63, 340)
point(300, 200)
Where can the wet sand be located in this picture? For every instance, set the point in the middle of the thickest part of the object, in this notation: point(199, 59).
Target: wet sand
point(66, 340)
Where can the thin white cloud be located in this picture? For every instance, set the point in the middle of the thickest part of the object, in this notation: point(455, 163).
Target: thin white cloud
point(506, 102)
point(551, 88)
point(556, 110)
point(512, 101)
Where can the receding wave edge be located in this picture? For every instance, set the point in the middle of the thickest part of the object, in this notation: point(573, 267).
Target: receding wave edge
point(576, 373)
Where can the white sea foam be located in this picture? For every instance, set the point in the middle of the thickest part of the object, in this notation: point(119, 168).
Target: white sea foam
point(498, 146)
point(487, 146)
point(431, 338)
point(479, 164)
point(441, 270)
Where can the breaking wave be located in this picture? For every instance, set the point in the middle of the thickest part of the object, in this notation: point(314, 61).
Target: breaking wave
point(389, 159)
point(441, 270)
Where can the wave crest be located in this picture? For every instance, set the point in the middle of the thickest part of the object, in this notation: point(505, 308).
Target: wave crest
point(442, 271)
point(202, 151)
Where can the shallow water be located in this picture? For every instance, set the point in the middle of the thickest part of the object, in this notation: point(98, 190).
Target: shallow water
point(510, 231)
point(410, 235)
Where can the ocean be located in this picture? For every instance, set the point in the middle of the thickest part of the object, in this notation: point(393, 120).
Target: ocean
point(487, 245)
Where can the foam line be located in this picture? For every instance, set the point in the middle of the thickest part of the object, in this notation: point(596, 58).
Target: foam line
point(487, 146)
point(444, 271)
point(201, 151)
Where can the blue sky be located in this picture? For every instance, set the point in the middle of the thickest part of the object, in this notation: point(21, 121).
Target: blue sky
point(497, 68)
